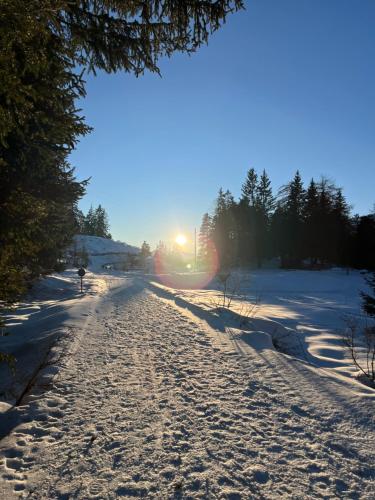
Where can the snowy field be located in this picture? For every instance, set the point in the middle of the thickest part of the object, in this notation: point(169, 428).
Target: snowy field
point(304, 312)
point(155, 392)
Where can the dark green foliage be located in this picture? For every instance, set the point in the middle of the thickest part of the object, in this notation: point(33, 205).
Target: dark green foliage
point(145, 250)
point(132, 35)
point(225, 230)
point(264, 206)
point(304, 228)
point(42, 45)
point(289, 222)
point(364, 242)
point(249, 187)
point(39, 126)
point(264, 200)
point(204, 246)
point(79, 256)
point(311, 225)
point(342, 230)
point(95, 223)
point(368, 298)
point(145, 253)
point(249, 218)
point(241, 231)
point(247, 232)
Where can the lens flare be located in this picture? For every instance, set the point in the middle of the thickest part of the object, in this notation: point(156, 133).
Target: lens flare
point(208, 266)
point(180, 239)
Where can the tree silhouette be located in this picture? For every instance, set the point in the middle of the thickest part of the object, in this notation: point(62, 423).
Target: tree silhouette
point(46, 48)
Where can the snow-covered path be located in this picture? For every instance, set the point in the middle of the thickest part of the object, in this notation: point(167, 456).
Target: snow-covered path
point(155, 404)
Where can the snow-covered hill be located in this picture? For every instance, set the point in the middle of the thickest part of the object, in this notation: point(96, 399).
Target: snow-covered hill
point(102, 251)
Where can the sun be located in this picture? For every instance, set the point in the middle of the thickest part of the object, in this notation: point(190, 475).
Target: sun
point(180, 240)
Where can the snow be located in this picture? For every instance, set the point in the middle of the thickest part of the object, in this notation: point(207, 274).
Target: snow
point(102, 251)
point(53, 310)
point(159, 393)
point(305, 312)
point(95, 245)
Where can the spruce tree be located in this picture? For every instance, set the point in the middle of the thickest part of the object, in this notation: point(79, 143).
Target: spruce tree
point(278, 239)
point(264, 206)
point(204, 239)
point(101, 223)
point(364, 242)
point(145, 253)
point(89, 224)
point(311, 224)
point(79, 221)
point(39, 127)
point(289, 221)
point(264, 199)
point(342, 229)
point(326, 191)
point(45, 49)
point(247, 220)
point(249, 187)
point(145, 250)
point(224, 229)
point(368, 303)
point(133, 36)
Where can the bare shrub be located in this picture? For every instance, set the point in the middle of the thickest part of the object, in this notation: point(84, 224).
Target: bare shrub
point(359, 339)
point(230, 288)
point(248, 310)
point(230, 284)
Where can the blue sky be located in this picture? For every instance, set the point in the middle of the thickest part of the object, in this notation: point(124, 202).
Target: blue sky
point(284, 85)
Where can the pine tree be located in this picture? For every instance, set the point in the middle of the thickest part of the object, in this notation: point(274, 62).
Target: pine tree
point(39, 126)
point(145, 253)
point(247, 220)
point(368, 303)
point(79, 221)
point(96, 223)
point(45, 48)
point(289, 221)
point(264, 200)
point(326, 191)
point(145, 250)
point(249, 187)
point(364, 242)
point(89, 223)
point(224, 229)
point(342, 229)
point(204, 242)
point(264, 206)
point(245, 234)
point(296, 197)
point(105, 35)
point(101, 223)
point(311, 224)
point(278, 240)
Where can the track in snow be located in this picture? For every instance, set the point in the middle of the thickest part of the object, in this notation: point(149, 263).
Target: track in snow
point(154, 404)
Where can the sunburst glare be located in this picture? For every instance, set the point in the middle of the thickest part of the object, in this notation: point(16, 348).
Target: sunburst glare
point(181, 240)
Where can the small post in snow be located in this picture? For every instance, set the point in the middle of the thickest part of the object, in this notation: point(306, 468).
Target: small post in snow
point(81, 272)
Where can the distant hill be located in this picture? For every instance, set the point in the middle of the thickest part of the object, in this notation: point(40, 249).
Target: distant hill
point(102, 251)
